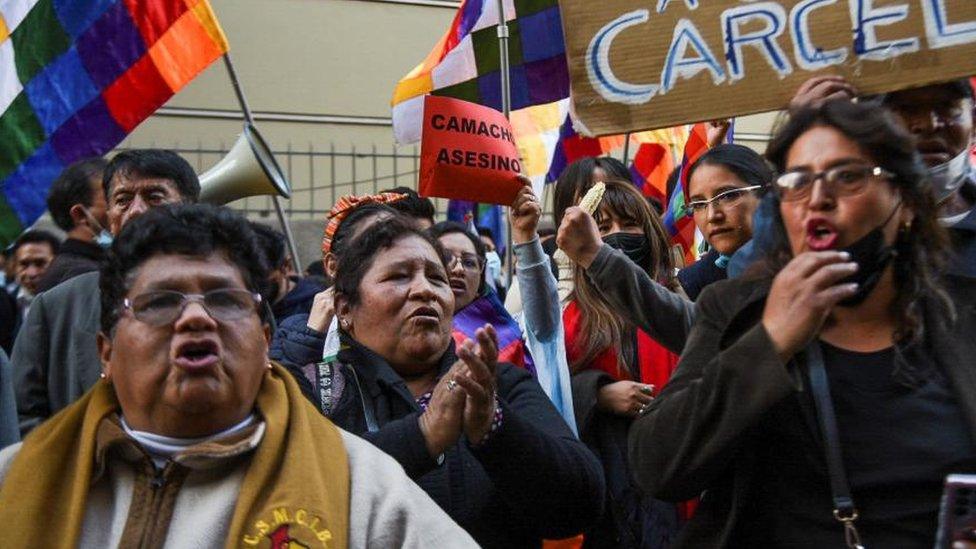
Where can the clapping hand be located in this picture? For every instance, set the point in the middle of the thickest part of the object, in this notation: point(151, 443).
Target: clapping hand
point(477, 378)
point(441, 423)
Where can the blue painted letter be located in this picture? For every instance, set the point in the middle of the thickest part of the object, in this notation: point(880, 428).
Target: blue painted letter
point(865, 17)
point(677, 64)
point(941, 33)
point(601, 75)
point(808, 55)
point(765, 40)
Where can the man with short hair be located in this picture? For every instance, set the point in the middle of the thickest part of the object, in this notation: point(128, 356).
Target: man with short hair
point(77, 205)
point(33, 253)
point(59, 361)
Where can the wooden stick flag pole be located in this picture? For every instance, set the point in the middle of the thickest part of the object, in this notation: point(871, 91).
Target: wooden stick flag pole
point(296, 261)
point(626, 148)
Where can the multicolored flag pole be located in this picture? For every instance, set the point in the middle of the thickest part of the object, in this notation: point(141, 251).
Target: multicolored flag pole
point(249, 119)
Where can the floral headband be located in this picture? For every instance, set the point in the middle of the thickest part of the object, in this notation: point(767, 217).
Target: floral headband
point(345, 206)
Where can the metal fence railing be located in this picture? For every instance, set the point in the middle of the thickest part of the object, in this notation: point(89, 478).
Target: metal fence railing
point(320, 175)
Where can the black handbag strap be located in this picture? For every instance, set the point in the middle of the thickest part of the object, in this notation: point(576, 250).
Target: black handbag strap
point(844, 508)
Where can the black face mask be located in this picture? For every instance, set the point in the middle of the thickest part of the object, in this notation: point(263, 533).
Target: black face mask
point(872, 255)
point(634, 246)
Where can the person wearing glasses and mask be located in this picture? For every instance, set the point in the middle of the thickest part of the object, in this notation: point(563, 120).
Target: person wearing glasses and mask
point(830, 392)
point(192, 438)
point(724, 185)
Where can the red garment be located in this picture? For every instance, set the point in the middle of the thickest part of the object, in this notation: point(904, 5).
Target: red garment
point(656, 364)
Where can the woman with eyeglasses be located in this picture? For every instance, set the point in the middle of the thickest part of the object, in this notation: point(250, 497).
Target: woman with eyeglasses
point(475, 303)
point(724, 185)
point(192, 438)
point(832, 394)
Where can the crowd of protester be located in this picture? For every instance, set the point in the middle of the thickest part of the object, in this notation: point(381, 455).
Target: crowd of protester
point(807, 382)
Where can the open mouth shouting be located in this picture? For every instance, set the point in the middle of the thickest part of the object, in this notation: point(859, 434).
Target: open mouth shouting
point(426, 315)
point(197, 355)
point(821, 235)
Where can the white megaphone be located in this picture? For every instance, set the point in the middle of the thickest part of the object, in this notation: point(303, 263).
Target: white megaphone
point(249, 169)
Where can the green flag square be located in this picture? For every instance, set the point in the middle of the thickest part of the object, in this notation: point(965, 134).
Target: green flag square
point(10, 227)
point(466, 91)
point(528, 7)
point(487, 52)
point(38, 40)
point(20, 135)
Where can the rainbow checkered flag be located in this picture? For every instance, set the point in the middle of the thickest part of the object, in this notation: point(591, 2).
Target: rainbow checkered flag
point(77, 76)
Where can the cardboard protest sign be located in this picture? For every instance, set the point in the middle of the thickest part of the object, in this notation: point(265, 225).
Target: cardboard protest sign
point(467, 152)
point(645, 64)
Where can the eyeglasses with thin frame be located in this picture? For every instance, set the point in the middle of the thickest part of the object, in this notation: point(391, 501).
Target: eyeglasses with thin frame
point(843, 180)
point(162, 307)
point(725, 198)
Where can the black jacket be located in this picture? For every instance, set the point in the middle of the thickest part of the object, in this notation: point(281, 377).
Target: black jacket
point(695, 277)
point(963, 235)
point(298, 301)
point(75, 257)
point(532, 480)
point(702, 431)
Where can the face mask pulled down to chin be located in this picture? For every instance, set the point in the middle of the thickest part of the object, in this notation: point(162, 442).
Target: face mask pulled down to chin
point(872, 255)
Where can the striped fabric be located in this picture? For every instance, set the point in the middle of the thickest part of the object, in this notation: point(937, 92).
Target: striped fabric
point(677, 220)
point(345, 206)
point(76, 76)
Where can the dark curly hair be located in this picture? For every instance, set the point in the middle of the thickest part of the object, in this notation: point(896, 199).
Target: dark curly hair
point(360, 255)
point(348, 226)
point(922, 250)
point(197, 230)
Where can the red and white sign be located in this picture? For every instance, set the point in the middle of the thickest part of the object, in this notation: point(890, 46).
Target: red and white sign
point(468, 152)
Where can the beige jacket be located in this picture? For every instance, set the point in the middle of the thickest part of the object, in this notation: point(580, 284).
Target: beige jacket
point(190, 503)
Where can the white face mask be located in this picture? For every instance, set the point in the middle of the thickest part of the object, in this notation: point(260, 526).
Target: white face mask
point(103, 238)
point(946, 178)
point(493, 264)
